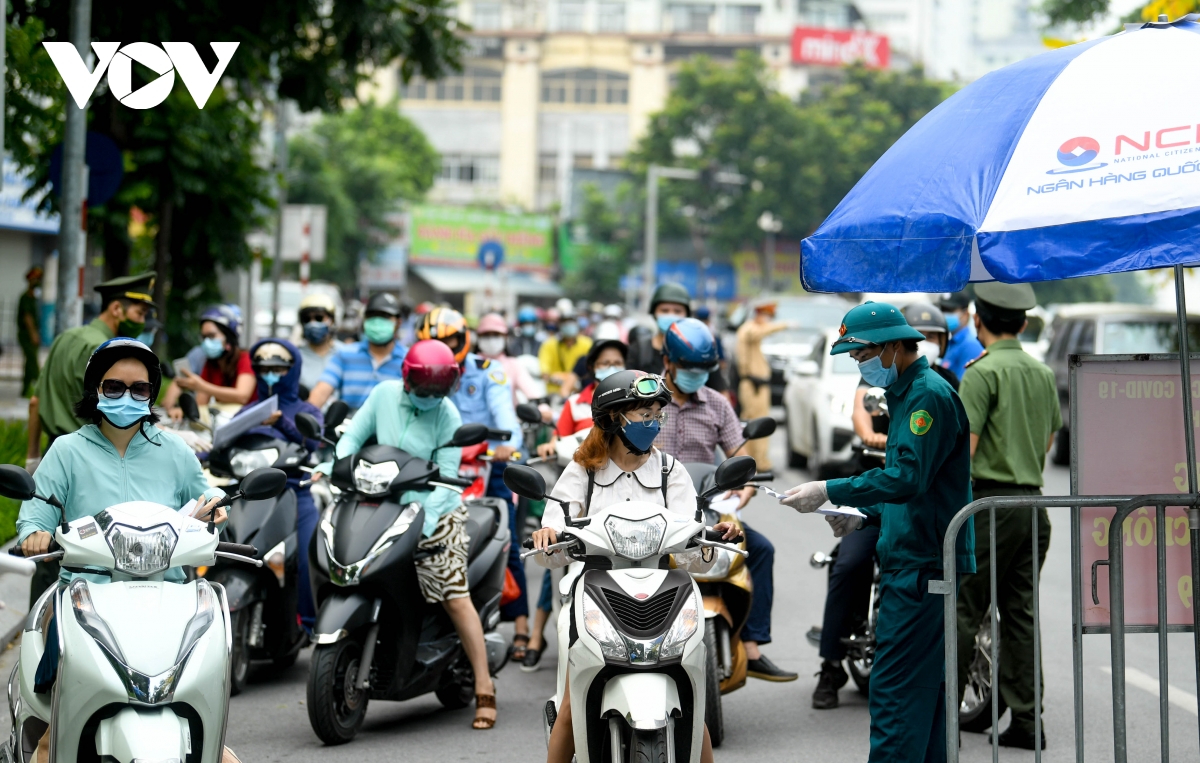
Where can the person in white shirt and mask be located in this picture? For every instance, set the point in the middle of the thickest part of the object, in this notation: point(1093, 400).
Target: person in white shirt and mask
point(493, 345)
point(931, 322)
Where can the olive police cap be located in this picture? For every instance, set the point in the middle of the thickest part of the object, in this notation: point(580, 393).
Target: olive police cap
point(137, 288)
point(1007, 296)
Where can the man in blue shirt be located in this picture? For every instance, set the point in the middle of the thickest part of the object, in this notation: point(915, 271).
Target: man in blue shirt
point(354, 370)
point(963, 346)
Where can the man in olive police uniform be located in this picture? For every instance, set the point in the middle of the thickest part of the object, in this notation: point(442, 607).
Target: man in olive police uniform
point(925, 481)
point(1012, 403)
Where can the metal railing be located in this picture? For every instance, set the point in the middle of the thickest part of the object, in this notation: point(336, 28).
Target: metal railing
point(1124, 505)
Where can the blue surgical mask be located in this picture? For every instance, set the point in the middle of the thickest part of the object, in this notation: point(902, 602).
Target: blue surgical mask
point(689, 380)
point(665, 322)
point(271, 378)
point(528, 329)
point(875, 374)
point(424, 403)
point(638, 437)
point(379, 331)
point(569, 329)
point(315, 332)
point(213, 347)
point(146, 338)
point(603, 373)
point(123, 412)
point(952, 323)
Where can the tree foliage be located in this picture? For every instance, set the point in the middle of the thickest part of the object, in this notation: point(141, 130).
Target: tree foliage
point(604, 238)
point(361, 164)
point(1077, 11)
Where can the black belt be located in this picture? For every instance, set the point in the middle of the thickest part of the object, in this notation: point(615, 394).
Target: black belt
point(999, 484)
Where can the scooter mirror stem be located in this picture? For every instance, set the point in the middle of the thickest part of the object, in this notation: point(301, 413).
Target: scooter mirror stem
point(50, 500)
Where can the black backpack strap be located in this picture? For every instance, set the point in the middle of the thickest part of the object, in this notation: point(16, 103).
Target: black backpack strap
point(666, 471)
point(587, 500)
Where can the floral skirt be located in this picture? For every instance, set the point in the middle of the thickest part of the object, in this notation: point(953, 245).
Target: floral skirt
point(443, 575)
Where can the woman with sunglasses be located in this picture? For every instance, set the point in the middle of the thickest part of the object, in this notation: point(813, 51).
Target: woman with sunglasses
point(618, 462)
point(227, 375)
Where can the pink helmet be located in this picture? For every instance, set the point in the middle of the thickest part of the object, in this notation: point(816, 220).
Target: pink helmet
point(430, 369)
point(492, 323)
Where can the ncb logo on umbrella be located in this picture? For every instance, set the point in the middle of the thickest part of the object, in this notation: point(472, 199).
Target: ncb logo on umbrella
point(1076, 154)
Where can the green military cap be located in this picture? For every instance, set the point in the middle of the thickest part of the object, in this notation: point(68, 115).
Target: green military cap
point(138, 288)
point(873, 323)
point(1006, 296)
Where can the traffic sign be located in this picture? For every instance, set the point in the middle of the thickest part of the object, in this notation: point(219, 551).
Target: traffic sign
point(491, 254)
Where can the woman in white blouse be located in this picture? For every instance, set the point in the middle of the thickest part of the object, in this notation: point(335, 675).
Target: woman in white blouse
point(616, 463)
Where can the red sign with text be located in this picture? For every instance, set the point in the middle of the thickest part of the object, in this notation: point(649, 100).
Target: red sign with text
point(838, 47)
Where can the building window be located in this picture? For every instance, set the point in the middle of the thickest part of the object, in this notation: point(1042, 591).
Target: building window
point(571, 17)
point(477, 83)
point(742, 19)
point(691, 18)
point(610, 17)
point(470, 169)
point(585, 86)
point(485, 16)
point(548, 169)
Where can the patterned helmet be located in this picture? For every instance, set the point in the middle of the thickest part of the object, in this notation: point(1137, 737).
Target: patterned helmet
point(430, 369)
point(444, 323)
point(226, 319)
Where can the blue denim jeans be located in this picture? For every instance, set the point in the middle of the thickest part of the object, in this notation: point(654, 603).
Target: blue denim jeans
point(761, 564)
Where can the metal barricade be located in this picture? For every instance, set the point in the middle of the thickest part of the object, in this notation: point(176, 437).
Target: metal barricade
point(1124, 505)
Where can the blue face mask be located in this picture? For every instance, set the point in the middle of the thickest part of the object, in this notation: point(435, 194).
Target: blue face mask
point(123, 412)
point(423, 403)
point(952, 323)
point(528, 329)
point(315, 332)
point(665, 322)
point(213, 347)
point(689, 380)
point(569, 329)
point(271, 378)
point(603, 373)
point(875, 374)
point(146, 338)
point(638, 437)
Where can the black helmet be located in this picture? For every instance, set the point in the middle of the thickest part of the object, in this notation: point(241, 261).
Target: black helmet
point(120, 348)
point(626, 387)
point(384, 302)
point(673, 293)
point(925, 317)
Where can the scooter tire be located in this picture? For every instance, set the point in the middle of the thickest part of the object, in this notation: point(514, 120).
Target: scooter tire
point(714, 716)
point(335, 714)
point(456, 696)
point(649, 746)
point(239, 658)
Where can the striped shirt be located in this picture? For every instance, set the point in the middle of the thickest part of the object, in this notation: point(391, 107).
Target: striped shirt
point(353, 373)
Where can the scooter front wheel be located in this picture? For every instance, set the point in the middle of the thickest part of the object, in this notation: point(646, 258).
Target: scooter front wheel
point(714, 718)
point(239, 668)
point(648, 746)
point(336, 707)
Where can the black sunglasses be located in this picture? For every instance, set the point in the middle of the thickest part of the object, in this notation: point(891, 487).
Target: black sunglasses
point(115, 388)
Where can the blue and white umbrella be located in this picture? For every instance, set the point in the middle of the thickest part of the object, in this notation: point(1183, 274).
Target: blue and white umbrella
point(1079, 161)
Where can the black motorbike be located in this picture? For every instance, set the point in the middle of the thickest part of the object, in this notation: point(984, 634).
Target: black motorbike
point(263, 600)
point(376, 637)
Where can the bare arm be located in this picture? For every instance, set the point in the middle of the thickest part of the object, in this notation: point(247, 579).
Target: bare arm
point(1049, 445)
point(320, 394)
point(240, 393)
point(864, 423)
point(975, 444)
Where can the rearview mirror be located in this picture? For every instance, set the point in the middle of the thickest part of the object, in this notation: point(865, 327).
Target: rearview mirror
point(467, 435)
point(875, 402)
point(758, 428)
point(262, 484)
point(525, 482)
point(16, 483)
point(529, 413)
point(733, 474)
point(308, 426)
point(187, 403)
point(336, 414)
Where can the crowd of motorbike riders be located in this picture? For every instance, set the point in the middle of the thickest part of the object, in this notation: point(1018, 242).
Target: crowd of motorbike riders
point(604, 410)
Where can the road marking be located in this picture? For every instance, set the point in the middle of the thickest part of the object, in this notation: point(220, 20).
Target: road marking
point(1176, 696)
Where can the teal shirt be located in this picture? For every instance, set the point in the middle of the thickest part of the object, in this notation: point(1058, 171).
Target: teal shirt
point(394, 420)
point(925, 480)
point(86, 474)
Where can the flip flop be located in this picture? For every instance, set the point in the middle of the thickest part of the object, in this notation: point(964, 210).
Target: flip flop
point(520, 645)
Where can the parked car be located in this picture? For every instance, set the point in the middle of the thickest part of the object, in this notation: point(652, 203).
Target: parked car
point(1106, 329)
point(818, 402)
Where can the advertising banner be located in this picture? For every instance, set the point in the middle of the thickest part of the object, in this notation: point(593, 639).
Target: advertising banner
point(1127, 428)
point(839, 47)
point(786, 279)
point(453, 236)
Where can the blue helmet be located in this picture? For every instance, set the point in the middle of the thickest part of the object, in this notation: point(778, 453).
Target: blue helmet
point(690, 344)
point(226, 319)
point(527, 314)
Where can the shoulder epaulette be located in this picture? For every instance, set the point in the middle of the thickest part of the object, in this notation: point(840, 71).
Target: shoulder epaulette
point(982, 355)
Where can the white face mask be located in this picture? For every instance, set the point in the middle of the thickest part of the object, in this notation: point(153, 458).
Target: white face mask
point(491, 346)
point(929, 350)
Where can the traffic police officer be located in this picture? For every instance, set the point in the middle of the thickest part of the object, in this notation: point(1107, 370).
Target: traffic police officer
point(963, 346)
point(924, 482)
point(1012, 403)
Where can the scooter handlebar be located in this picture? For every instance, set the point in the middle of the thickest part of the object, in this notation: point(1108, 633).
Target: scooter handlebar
point(17, 551)
point(240, 549)
point(716, 537)
point(456, 481)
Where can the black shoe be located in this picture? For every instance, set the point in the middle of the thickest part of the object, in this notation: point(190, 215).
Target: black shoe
point(768, 671)
point(1017, 738)
point(832, 678)
point(814, 635)
point(532, 657)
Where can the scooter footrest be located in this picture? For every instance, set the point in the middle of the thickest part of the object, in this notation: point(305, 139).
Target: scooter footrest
point(551, 713)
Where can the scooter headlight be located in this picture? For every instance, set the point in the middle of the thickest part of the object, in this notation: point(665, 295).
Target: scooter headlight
point(206, 606)
point(683, 628)
point(374, 479)
point(141, 552)
point(92, 623)
point(612, 645)
point(242, 462)
point(636, 539)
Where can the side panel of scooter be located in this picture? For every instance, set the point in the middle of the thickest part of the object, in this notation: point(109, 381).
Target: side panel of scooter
point(239, 584)
point(32, 647)
point(204, 684)
point(279, 522)
point(585, 663)
point(344, 609)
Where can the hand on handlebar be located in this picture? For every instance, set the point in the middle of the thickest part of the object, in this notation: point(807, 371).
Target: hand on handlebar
point(728, 530)
point(546, 449)
point(205, 508)
point(503, 453)
point(37, 543)
point(545, 537)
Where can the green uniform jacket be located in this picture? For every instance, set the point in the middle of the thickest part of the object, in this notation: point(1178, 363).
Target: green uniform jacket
point(61, 384)
point(85, 473)
point(926, 477)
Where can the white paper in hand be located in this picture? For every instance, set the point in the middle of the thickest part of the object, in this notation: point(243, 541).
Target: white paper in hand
point(840, 511)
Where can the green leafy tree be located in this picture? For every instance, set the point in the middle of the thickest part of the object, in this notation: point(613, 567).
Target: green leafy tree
point(361, 164)
point(604, 240)
point(1078, 11)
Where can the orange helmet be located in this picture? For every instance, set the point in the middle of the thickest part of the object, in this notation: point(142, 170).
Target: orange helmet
point(445, 324)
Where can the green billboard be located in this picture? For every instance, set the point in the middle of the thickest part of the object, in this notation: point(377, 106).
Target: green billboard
point(453, 236)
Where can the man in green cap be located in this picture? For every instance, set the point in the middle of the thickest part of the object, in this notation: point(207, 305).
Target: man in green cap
point(1012, 403)
point(924, 482)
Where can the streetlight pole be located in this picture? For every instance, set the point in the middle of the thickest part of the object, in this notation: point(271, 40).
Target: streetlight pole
point(281, 160)
point(770, 225)
point(72, 237)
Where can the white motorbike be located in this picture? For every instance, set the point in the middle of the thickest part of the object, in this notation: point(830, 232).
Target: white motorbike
point(143, 668)
point(632, 639)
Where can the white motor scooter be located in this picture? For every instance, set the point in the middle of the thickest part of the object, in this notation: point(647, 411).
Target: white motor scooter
point(632, 639)
point(143, 671)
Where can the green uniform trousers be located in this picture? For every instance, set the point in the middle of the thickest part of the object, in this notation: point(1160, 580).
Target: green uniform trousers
point(1014, 593)
point(908, 680)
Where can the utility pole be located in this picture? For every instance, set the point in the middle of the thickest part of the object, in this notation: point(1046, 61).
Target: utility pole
point(281, 160)
point(3, 82)
point(72, 237)
point(770, 225)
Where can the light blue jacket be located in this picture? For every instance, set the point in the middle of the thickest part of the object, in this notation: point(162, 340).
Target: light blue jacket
point(86, 474)
point(394, 420)
point(485, 397)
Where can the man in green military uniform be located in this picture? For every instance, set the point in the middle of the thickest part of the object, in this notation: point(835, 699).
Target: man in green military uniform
point(1012, 402)
point(924, 482)
point(125, 304)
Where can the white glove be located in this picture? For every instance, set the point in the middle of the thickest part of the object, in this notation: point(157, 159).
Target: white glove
point(844, 524)
point(806, 498)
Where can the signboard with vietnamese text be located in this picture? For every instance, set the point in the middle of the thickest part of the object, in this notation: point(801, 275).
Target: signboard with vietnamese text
point(453, 236)
point(839, 47)
point(786, 279)
point(1127, 428)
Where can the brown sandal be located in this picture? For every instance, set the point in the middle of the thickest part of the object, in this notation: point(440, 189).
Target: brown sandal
point(484, 702)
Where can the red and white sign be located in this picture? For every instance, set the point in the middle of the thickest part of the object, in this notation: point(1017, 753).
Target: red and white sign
point(838, 47)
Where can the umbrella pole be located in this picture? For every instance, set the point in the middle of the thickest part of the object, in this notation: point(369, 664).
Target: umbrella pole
point(1189, 439)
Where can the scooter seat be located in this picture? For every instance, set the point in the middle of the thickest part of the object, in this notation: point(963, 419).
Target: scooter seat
point(483, 517)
